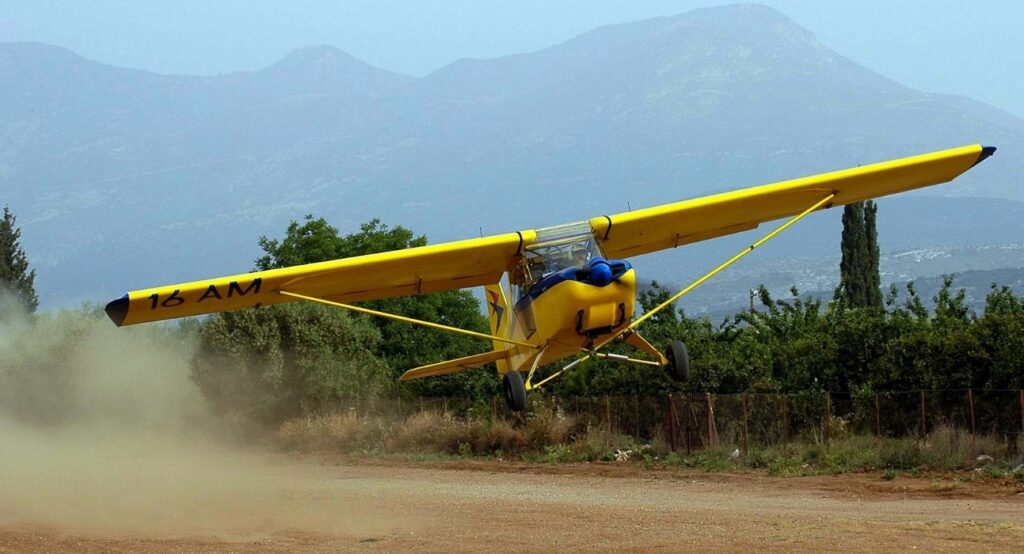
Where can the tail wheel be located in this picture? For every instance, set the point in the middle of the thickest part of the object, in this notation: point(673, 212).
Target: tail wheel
point(514, 390)
point(678, 361)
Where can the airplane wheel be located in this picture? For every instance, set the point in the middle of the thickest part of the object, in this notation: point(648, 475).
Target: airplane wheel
point(678, 361)
point(515, 391)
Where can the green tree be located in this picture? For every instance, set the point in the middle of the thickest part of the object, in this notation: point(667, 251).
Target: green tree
point(1000, 334)
point(402, 345)
point(873, 276)
point(274, 363)
point(14, 272)
point(315, 240)
point(859, 280)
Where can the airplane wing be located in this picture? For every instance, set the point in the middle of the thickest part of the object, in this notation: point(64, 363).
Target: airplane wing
point(454, 366)
point(670, 225)
point(482, 261)
point(432, 268)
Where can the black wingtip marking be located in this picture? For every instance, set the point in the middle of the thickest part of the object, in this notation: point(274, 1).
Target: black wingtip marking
point(986, 151)
point(117, 310)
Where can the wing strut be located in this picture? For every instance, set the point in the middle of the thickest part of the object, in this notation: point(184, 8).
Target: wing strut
point(637, 322)
point(739, 255)
point(411, 320)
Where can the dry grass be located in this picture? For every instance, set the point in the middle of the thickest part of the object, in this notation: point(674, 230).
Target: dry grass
point(960, 448)
point(547, 435)
point(426, 431)
point(421, 432)
point(546, 426)
point(333, 432)
point(497, 436)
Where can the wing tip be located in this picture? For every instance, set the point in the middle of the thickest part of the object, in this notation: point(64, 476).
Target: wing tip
point(117, 310)
point(986, 151)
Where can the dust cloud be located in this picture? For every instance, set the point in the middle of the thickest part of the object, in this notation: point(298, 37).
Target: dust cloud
point(102, 431)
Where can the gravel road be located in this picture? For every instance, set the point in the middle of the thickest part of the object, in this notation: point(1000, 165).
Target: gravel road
point(309, 505)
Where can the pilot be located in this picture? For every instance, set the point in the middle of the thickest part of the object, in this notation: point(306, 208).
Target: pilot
point(580, 255)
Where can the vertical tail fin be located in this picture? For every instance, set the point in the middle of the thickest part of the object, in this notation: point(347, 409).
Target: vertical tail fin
point(500, 318)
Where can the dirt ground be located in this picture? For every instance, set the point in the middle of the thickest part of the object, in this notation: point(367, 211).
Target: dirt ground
point(337, 505)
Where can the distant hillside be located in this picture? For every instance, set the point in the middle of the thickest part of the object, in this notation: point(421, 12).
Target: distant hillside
point(124, 178)
point(976, 283)
point(974, 268)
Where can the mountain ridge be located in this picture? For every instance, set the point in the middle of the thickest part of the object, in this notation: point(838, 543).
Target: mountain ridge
point(103, 163)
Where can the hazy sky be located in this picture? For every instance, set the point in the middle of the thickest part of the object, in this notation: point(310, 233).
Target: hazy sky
point(958, 47)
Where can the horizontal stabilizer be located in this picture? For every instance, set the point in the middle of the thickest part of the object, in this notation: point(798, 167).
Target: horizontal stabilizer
point(456, 365)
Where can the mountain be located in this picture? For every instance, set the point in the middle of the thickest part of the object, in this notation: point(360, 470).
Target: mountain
point(123, 178)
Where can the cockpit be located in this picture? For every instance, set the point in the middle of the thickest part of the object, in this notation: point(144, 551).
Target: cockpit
point(560, 253)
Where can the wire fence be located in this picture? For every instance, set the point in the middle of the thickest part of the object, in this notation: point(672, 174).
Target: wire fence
point(694, 421)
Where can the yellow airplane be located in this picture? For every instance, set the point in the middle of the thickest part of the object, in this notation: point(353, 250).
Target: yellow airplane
point(574, 290)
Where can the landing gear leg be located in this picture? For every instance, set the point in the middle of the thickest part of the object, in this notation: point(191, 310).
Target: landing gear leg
point(514, 390)
point(678, 367)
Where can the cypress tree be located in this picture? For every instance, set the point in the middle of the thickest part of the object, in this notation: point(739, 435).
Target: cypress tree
point(859, 280)
point(14, 272)
point(854, 256)
point(873, 295)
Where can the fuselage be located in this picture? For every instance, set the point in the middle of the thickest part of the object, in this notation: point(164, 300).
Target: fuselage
point(568, 316)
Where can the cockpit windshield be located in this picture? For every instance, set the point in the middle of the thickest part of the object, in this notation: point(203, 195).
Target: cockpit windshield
point(558, 248)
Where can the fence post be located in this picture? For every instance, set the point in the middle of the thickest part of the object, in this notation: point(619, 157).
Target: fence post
point(924, 427)
point(970, 406)
point(785, 418)
point(878, 419)
point(671, 423)
point(1020, 393)
point(828, 418)
point(608, 412)
point(636, 414)
point(709, 417)
point(712, 428)
point(686, 423)
point(746, 444)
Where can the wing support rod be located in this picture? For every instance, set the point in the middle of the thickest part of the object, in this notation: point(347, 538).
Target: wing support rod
point(636, 323)
point(572, 365)
point(739, 255)
point(411, 320)
point(533, 367)
point(625, 359)
point(613, 357)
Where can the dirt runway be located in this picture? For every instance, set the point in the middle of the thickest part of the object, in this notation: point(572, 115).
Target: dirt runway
point(315, 506)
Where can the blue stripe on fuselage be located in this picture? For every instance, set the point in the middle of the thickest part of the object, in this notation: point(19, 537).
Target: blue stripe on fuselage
point(581, 274)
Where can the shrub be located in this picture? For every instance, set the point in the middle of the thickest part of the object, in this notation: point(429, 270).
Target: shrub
point(492, 436)
point(285, 361)
point(333, 432)
point(420, 432)
point(546, 426)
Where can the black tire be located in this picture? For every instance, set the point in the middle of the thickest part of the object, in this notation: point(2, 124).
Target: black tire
point(514, 390)
point(678, 361)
